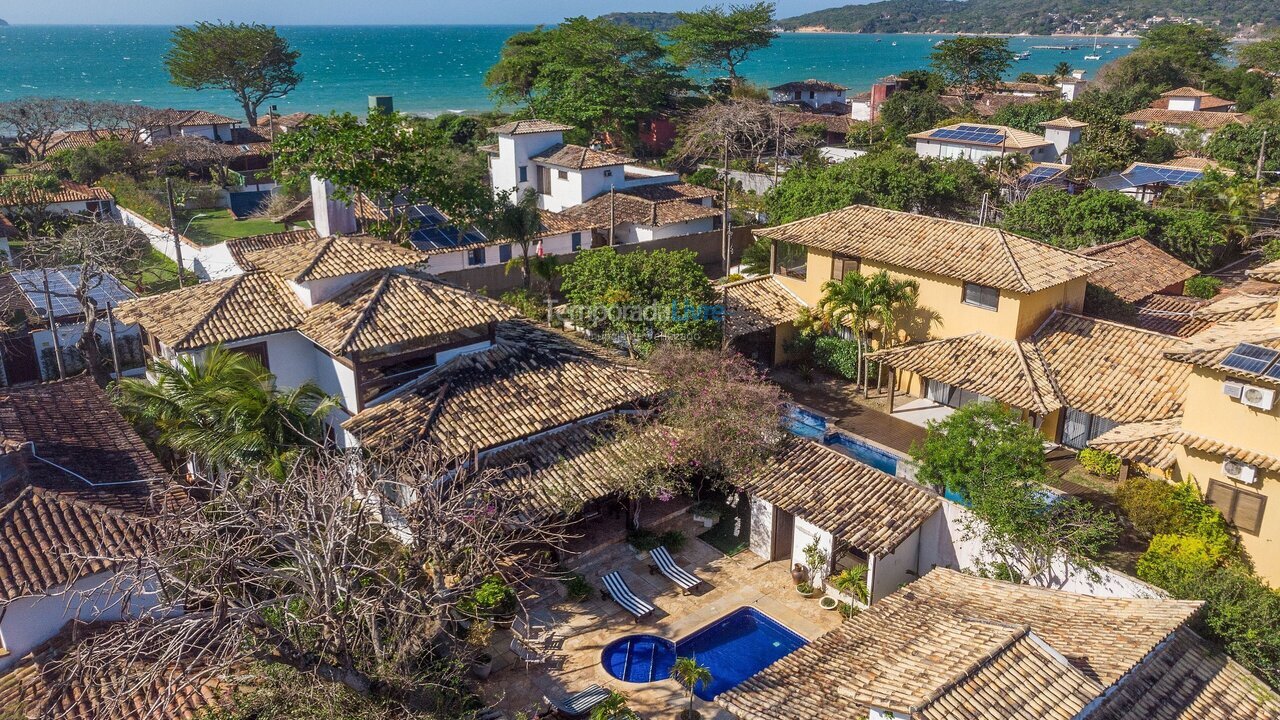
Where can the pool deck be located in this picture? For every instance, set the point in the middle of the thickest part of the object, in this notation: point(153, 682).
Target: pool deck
point(586, 628)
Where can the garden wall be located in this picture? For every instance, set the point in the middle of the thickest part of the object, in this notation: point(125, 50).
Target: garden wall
point(208, 262)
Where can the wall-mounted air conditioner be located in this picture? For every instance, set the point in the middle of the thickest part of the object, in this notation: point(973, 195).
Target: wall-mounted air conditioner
point(1232, 389)
point(1257, 397)
point(1236, 470)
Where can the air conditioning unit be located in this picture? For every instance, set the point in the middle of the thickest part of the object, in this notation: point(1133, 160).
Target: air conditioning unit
point(1236, 470)
point(1257, 397)
point(1232, 389)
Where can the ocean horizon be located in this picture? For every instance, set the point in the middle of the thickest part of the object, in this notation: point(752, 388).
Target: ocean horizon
point(430, 69)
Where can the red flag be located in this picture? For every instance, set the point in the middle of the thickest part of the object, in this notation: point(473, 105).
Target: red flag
point(539, 248)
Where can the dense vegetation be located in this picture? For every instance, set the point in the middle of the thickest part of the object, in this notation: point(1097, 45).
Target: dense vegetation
point(1038, 17)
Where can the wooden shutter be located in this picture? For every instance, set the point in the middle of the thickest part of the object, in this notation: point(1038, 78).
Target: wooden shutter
point(1247, 514)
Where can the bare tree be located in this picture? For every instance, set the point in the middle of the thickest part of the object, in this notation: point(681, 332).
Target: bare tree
point(736, 129)
point(34, 121)
point(350, 569)
point(194, 155)
point(99, 250)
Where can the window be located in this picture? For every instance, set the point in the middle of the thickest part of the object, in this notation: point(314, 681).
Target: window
point(981, 296)
point(576, 239)
point(524, 173)
point(950, 395)
point(475, 256)
point(842, 265)
point(798, 95)
point(257, 351)
point(504, 252)
point(811, 94)
point(1079, 427)
point(544, 180)
point(608, 173)
point(1240, 507)
point(562, 174)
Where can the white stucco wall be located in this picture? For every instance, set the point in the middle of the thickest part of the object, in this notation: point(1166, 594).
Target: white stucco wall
point(975, 153)
point(28, 621)
point(514, 151)
point(207, 262)
point(860, 110)
point(804, 533)
point(644, 233)
point(761, 534)
point(290, 357)
point(889, 572)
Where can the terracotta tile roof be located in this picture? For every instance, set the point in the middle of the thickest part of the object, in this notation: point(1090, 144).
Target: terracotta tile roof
point(1010, 138)
point(1207, 104)
point(1146, 443)
point(1116, 371)
point(986, 104)
point(331, 257)
point(219, 311)
point(984, 255)
point(532, 380)
point(634, 209)
point(1239, 307)
point(758, 304)
point(84, 138)
point(1266, 273)
point(75, 427)
point(241, 247)
point(950, 633)
point(289, 121)
point(803, 116)
point(1064, 123)
point(671, 191)
point(1039, 88)
point(1199, 118)
point(1189, 679)
point(577, 157)
point(170, 117)
point(394, 312)
point(557, 473)
point(69, 192)
point(1006, 370)
point(51, 539)
point(1206, 444)
point(1170, 315)
point(1197, 163)
point(810, 84)
point(856, 503)
point(1138, 269)
point(554, 223)
point(302, 212)
point(1211, 346)
point(527, 127)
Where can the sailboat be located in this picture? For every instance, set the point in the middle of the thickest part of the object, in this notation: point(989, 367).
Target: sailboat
point(1095, 55)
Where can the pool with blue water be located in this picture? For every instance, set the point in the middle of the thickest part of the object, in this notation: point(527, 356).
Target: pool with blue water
point(734, 648)
point(808, 424)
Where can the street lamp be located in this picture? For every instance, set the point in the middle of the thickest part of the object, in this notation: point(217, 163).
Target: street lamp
point(191, 220)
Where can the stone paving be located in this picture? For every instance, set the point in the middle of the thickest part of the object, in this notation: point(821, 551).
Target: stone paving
point(583, 629)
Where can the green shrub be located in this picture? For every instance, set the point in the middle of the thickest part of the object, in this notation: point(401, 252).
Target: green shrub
point(838, 355)
point(1100, 462)
point(1149, 505)
point(530, 304)
point(1271, 251)
point(494, 598)
point(852, 581)
point(1202, 286)
point(673, 540)
point(131, 195)
point(1175, 561)
point(707, 509)
point(643, 540)
point(579, 589)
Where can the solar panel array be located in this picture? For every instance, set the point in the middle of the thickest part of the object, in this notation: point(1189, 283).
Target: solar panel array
point(62, 288)
point(434, 232)
point(1253, 359)
point(970, 133)
point(1176, 177)
point(1041, 174)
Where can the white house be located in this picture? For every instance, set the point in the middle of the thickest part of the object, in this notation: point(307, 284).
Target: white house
point(1072, 86)
point(75, 493)
point(812, 94)
point(1187, 110)
point(975, 142)
point(449, 250)
point(68, 199)
point(1063, 132)
point(168, 123)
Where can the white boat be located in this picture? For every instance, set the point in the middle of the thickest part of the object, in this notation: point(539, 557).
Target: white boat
point(895, 43)
point(1095, 55)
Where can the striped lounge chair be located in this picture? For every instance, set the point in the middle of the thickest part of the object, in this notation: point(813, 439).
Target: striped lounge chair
point(617, 589)
point(667, 566)
point(576, 706)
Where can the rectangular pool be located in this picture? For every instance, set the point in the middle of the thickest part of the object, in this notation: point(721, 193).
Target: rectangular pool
point(737, 646)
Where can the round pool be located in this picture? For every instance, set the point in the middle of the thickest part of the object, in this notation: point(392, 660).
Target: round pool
point(639, 658)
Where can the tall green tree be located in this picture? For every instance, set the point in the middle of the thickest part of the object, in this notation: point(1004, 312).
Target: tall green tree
point(715, 38)
point(1263, 55)
point(972, 63)
point(225, 410)
point(853, 299)
point(251, 61)
point(517, 221)
point(1072, 221)
point(594, 74)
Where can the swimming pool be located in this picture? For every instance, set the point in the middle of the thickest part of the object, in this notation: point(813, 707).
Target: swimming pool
point(804, 423)
point(808, 424)
point(734, 648)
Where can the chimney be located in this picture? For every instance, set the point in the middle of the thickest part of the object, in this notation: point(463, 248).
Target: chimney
point(333, 216)
point(381, 105)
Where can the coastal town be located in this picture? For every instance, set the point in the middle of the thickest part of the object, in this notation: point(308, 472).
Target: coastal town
point(654, 391)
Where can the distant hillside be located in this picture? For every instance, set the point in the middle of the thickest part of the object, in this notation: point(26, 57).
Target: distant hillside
point(656, 21)
point(1036, 17)
point(3, 23)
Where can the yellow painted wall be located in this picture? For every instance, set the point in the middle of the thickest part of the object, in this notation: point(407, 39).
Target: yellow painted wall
point(941, 311)
point(1263, 548)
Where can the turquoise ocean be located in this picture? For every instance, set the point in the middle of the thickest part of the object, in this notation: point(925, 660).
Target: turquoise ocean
point(427, 68)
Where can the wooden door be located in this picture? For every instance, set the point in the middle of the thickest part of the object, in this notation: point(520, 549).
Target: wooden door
point(784, 525)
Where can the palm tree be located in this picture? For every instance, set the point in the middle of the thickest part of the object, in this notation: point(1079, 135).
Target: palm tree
point(1006, 169)
point(613, 707)
point(849, 298)
point(223, 410)
point(1062, 69)
point(689, 673)
point(891, 297)
point(517, 221)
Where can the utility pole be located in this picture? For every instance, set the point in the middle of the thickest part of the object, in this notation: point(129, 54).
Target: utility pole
point(1262, 154)
point(173, 227)
point(53, 326)
point(982, 213)
point(724, 219)
point(613, 223)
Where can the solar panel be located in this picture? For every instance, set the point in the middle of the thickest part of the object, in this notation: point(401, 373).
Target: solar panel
point(62, 289)
point(1273, 372)
point(1041, 174)
point(1169, 175)
point(1250, 359)
point(434, 232)
point(970, 133)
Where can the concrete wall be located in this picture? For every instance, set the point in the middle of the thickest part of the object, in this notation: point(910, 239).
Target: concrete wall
point(210, 262)
point(805, 533)
point(70, 334)
point(889, 572)
point(761, 534)
point(649, 233)
point(554, 245)
point(978, 153)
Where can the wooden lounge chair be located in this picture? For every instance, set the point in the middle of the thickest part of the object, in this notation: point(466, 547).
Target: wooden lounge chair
point(533, 634)
point(527, 654)
point(616, 588)
point(667, 566)
point(579, 705)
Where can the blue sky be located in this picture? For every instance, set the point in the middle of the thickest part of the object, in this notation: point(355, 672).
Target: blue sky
point(344, 12)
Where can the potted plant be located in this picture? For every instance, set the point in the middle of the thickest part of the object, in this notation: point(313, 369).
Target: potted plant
point(828, 603)
point(689, 673)
point(805, 589)
point(478, 637)
point(852, 582)
point(577, 587)
point(706, 512)
point(816, 558)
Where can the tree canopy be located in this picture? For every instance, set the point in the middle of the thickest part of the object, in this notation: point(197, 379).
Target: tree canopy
point(715, 38)
point(972, 63)
point(593, 74)
point(251, 61)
